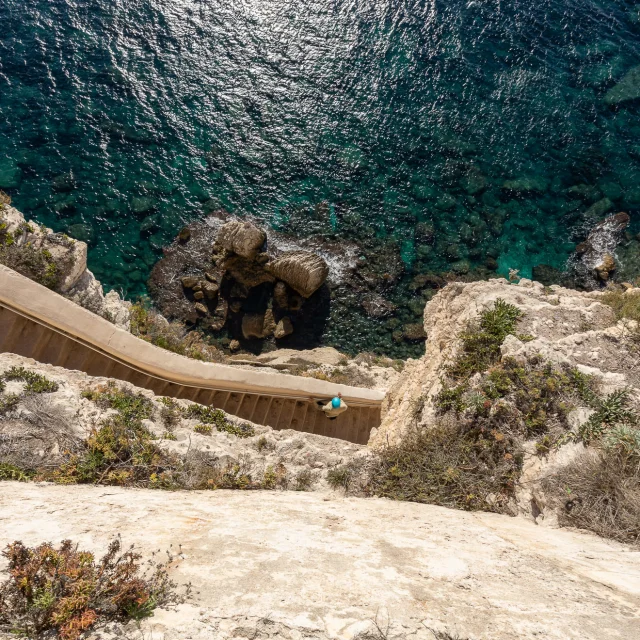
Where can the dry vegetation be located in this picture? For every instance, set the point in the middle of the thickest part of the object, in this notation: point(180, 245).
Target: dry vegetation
point(154, 328)
point(120, 450)
point(64, 591)
point(471, 457)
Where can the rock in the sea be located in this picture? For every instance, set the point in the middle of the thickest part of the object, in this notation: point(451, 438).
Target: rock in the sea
point(414, 331)
point(210, 290)
point(246, 272)
point(594, 260)
point(201, 309)
point(627, 89)
point(234, 345)
point(547, 275)
point(184, 235)
point(256, 325)
point(377, 307)
point(524, 185)
point(598, 209)
point(198, 295)
point(604, 270)
point(242, 238)
point(284, 328)
point(188, 282)
point(303, 271)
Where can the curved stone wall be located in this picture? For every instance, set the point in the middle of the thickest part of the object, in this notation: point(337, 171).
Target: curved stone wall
point(40, 324)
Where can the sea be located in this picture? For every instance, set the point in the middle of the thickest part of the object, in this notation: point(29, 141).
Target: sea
point(466, 133)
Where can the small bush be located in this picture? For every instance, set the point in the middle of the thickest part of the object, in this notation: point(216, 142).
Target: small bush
point(275, 477)
point(450, 466)
point(131, 406)
point(170, 413)
point(482, 340)
point(11, 472)
point(31, 261)
point(118, 452)
point(35, 382)
point(264, 444)
point(64, 590)
point(9, 403)
point(304, 480)
point(203, 429)
point(217, 418)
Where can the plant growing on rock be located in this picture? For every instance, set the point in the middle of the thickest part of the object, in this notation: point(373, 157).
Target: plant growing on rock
point(215, 417)
point(67, 592)
point(481, 340)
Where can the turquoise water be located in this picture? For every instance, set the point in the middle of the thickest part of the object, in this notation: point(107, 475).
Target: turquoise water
point(393, 116)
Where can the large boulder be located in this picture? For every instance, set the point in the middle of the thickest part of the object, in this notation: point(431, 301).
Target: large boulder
point(303, 271)
point(242, 238)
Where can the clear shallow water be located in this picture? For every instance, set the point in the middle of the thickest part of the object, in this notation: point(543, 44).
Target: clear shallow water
point(356, 117)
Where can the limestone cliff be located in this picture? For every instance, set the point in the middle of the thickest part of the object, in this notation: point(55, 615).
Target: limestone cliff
point(58, 262)
point(559, 326)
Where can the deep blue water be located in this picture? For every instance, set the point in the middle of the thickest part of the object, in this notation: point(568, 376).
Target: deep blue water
point(383, 113)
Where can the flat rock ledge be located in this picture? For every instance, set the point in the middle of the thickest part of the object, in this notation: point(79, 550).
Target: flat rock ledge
point(292, 565)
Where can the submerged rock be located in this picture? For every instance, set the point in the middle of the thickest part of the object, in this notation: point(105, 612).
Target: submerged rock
point(627, 89)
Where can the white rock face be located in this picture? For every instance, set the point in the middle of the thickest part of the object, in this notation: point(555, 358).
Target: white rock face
point(567, 327)
point(291, 565)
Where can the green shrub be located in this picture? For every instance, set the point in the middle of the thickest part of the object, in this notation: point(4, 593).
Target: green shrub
point(11, 472)
point(131, 406)
point(217, 418)
point(8, 403)
point(612, 410)
point(626, 307)
point(482, 340)
point(203, 429)
point(35, 382)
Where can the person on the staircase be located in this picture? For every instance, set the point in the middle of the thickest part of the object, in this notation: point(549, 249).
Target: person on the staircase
point(334, 407)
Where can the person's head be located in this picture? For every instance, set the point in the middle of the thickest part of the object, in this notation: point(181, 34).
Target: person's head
point(335, 403)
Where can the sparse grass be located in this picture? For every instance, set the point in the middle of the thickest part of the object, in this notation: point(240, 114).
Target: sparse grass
point(65, 592)
point(600, 492)
point(152, 327)
point(482, 340)
point(627, 308)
